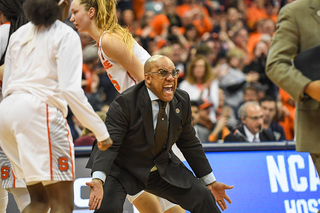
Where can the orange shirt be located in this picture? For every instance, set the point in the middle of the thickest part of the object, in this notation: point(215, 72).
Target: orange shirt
point(138, 8)
point(254, 14)
point(288, 123)
point(254, 38)
point(182, 9)
point(159, 22)
point(88, 75)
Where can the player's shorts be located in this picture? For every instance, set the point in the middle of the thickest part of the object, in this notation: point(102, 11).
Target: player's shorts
point(165, 204)
point(36, 139)
point(8, 179)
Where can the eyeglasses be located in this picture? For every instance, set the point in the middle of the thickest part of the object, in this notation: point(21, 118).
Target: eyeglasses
point(255, 118)
point(164, 74)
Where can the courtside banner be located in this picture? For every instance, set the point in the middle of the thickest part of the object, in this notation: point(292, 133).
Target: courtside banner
point(277, 181)
point(268, 181)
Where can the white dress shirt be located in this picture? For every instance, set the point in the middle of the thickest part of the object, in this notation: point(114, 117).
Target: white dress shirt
point(250, 136)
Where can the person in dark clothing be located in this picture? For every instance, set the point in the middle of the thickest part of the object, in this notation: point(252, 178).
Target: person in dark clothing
point(251, 129)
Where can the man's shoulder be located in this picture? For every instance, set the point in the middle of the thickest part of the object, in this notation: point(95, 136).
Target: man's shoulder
point(181, 95)
point(237, 136)
point(267, 135)
point(298, 6)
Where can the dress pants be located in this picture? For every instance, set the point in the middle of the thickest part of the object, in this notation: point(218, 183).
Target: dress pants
point(196, 199)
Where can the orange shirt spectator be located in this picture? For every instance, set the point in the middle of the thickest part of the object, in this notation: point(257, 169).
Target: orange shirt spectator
point(254, 13)
point(160, 22)
point(288, 119)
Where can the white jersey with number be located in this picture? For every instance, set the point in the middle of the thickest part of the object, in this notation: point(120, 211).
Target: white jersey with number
point(47, 63)
point(118, 75)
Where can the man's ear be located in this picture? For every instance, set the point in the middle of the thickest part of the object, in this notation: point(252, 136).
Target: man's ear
point(147, 79)
point(243, 119)
point(91, 12)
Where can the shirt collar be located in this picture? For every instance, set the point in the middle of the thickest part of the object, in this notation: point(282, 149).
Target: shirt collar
point(249, 135)
point(152, 96)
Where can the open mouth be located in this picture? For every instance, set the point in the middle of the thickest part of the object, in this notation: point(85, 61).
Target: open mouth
point(168, 89)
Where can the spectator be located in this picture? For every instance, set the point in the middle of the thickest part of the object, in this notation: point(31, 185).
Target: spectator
point(224, 109)
point(201, 84)
point(286, 108)
point(233, 80)
point(251, 129)
point(269, 108)
point(199, 129)
point(206, 125)
point(240, 39)
point(258, 65)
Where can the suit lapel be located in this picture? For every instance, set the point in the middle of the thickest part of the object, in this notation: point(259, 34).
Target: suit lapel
point(146, 113)
point(174, 121)
point(315, 6)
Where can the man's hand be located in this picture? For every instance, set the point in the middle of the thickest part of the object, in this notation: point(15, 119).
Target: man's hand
point(104, 145)
point(312, 89)
point(96, 193)
point(218, 191)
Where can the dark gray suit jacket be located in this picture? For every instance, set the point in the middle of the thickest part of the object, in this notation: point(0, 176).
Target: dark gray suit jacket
point(131, 157)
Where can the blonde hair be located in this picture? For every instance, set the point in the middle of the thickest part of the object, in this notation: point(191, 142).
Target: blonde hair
point(107, 20)
point(208, 75)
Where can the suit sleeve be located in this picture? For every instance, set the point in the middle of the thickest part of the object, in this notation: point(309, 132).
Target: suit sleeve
point(285, 45)
point(117, 123)
point(190, 145)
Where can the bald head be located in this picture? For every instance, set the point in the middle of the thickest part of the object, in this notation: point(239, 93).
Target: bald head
point(162, 86)
point(151, 62)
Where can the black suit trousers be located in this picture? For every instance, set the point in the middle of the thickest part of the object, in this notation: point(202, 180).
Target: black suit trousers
point(197, 199)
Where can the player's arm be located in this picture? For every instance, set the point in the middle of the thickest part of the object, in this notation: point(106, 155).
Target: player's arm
point(116, 49)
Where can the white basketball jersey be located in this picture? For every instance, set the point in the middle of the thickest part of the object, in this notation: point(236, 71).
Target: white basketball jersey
point(118, 75)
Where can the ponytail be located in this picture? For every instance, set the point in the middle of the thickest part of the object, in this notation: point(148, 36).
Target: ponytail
point(106, 19)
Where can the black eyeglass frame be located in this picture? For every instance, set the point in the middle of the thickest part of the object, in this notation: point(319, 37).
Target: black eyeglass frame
point(164, 74)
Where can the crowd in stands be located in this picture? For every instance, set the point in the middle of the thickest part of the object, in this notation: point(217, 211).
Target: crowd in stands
point(220, 48)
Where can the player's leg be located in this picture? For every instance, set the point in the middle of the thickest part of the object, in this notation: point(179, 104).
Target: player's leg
point(39, 199)
point(169, 207)
point(21, 196)
point(61, 196)
point(3, 200)
point(145, 202)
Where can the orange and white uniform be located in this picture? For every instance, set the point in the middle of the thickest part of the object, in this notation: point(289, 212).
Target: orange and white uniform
point(42, 75)
point(118, 75)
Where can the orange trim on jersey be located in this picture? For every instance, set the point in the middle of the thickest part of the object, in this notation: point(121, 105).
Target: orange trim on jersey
point(7, 23)
point(49, 140)
point(14, 179)
point(66, 124)
point(131, 77)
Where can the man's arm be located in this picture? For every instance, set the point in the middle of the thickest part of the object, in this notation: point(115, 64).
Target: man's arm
point(101, 161)
point(285, 45)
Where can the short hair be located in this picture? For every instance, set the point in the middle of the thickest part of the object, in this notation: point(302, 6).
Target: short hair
point(251, 87)
point(235, 53)
point(42, 12)
point(268, 98)
point(242, 112)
